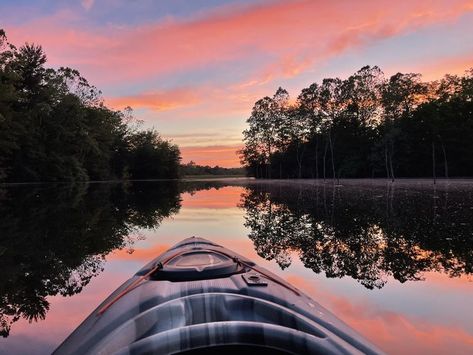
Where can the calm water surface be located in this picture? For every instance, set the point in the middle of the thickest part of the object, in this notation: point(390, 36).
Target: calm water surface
point(394, 261)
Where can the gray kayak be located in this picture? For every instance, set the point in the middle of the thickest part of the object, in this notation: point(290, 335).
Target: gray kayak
point(201, 298)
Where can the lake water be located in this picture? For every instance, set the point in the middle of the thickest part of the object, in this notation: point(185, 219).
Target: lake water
point(394, 261)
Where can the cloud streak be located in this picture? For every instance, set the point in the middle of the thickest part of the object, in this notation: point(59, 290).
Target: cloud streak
point(157, 101)
point(295, 34)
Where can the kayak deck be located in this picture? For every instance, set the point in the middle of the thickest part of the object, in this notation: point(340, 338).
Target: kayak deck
point(199, 297)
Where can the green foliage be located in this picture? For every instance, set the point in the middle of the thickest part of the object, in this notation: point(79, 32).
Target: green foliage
point(54, 126)
point(364, 126)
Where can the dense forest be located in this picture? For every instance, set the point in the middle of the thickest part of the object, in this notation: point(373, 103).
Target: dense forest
point(54, 126)
point(364, 126)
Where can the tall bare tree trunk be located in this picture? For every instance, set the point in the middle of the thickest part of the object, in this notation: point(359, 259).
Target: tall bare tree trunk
point(388, 175)
point(331, 153)
point(269, 167)
point(391, 166)
point(433, 162)
point(445, 162)
point(299, 160)
point(325, 156)
point(317, 159)
point(391, 162)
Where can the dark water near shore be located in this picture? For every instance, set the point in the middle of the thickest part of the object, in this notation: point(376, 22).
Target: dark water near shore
point(395, 261)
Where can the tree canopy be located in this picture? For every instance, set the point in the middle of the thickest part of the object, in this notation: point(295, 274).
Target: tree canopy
point(364, 126)
point(54, 126)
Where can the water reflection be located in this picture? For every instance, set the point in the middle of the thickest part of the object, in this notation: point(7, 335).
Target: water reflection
point(53, 239)
point(369, 233)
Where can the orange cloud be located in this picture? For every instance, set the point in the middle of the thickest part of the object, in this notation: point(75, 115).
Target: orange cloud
point(157, 101)
point(222, 155)
point(438, 69)
point(202, 138)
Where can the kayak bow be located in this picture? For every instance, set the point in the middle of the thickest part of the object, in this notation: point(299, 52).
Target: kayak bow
point(201, 298)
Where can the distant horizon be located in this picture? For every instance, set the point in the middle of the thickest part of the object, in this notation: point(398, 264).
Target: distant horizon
point(194, 69)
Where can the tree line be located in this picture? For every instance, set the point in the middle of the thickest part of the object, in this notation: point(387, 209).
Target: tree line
point(54, 126)
point(193, 169)
point(364, 126)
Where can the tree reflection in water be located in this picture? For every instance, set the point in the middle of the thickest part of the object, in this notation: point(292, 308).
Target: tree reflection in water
point(54, 238)
point(369, 233)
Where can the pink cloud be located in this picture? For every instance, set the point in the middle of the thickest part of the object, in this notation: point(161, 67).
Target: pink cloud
point(296, 34)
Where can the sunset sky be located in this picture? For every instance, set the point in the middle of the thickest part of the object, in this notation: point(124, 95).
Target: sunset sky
point(193, 68)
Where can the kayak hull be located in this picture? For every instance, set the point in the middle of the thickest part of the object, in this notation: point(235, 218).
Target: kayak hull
point(199, 296)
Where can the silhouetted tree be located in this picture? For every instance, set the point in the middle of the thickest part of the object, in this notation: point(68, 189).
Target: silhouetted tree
point(54, 126)
point(364, 126)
